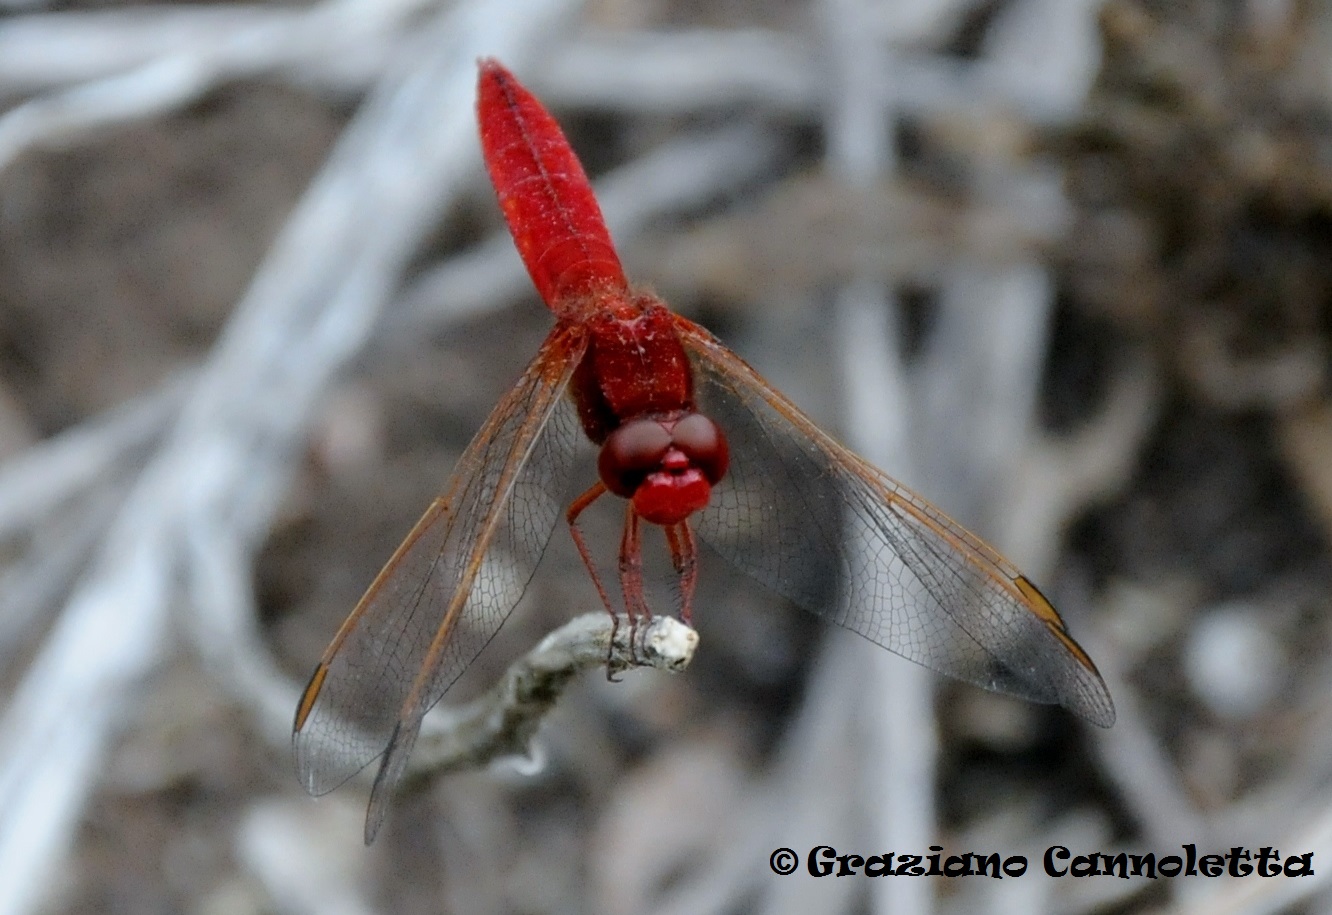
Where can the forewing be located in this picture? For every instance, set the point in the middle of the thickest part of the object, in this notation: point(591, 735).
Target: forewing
point(451, 584)
point(822, 527)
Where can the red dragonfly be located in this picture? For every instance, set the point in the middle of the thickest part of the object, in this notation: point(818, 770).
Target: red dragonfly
point(697, 443)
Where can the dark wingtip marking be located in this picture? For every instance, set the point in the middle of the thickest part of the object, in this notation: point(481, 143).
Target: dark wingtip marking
point(1038, 602)
point(1040, 605)
point(308, 697)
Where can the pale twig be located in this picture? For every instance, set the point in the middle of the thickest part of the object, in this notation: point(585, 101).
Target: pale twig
point(51, 561)
point(39, 499)
point(224, 629)
point(305, 856)
point(36, 482)
point(1046, 53)
point(684, 71)
point(180, 73)
point(1147, 778)
point(504, 721)
point(38, 489)
point(311, 307)
point(42, 53)
point(1059, 477)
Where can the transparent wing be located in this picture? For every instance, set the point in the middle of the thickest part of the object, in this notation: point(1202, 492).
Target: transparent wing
point(822, 527)
point(450, 585)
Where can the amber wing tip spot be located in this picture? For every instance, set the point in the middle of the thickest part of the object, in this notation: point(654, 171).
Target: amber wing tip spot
point(309, 697)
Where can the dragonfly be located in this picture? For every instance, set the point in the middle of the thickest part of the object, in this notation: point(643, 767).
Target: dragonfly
point(695, 442)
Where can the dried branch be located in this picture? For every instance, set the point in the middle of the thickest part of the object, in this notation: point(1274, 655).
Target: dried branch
point(503, 722)
point(36, 482)
point(44, 53)
point(176, 60)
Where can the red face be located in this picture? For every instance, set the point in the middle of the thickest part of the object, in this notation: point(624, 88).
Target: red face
point(667, 466)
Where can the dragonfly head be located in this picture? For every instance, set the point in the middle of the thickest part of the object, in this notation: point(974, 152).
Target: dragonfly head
point(666, 465)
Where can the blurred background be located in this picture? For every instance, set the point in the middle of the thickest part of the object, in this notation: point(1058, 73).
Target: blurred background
point(1063, 266)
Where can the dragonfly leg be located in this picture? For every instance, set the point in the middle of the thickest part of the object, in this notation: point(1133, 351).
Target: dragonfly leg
point(631, 574)
point(576, 508)
point(684, 556)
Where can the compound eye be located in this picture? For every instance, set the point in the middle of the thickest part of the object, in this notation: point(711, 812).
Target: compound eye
point(630, 453)
point(703, 442)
